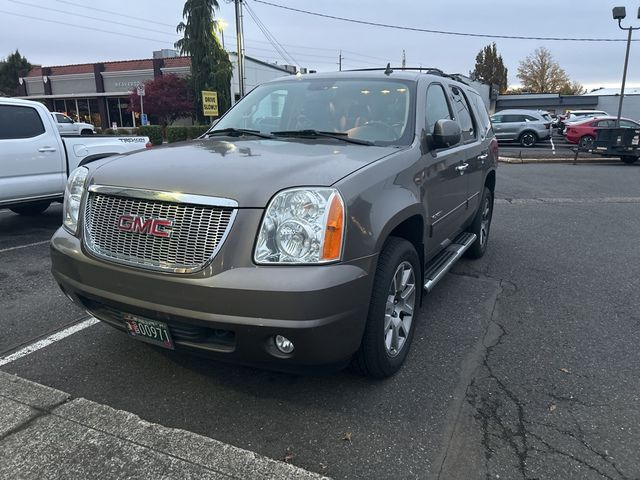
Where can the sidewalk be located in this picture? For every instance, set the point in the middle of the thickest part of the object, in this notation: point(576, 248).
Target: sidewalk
point(46, 434)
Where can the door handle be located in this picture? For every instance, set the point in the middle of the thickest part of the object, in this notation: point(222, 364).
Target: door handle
point(483, 157)
point(46, 149)
point(462, 168)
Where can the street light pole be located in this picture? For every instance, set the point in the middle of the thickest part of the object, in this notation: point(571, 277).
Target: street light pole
point(619, 13)
point(240, 46)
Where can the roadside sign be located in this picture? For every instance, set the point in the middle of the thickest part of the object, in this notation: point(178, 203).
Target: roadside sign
point(209, 103)
point(143, 119)
point(140, 89)
point(114, 125)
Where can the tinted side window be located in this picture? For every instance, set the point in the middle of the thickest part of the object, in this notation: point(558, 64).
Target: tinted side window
point(529, 118)
point(626, 124)
point(482, 115)
point(437, 106)
point(463, 114)
point(605, 123)
point(19, 122)
point(513, 118)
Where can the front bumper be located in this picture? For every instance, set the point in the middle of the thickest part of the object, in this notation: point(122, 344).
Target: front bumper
point(232, 314)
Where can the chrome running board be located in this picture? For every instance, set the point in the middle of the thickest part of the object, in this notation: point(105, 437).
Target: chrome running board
point(442, 263)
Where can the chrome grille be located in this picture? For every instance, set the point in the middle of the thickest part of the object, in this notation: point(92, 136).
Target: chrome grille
point(196, 234)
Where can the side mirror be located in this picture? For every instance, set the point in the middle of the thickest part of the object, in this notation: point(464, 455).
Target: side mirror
point(446, 133)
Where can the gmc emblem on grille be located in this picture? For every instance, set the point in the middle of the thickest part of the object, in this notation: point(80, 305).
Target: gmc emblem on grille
point(158, 227)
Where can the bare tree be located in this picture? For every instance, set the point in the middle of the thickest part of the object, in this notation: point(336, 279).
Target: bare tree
point(540, 73)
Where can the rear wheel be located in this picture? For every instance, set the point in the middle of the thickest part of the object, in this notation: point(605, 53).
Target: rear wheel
point(629, 159)
point(528, 139)
point(481, 225)
point(31, 209)
point(391, 319)
point(586, 142)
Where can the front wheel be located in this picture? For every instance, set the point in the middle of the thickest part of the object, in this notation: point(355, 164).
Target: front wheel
point(481, 225)
point(628, 159)
point(528, 139)
point(391, 319)
point(31, 209)
point(586, 142)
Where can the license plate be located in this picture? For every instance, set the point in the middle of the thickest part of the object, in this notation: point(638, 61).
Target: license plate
point(149, 330)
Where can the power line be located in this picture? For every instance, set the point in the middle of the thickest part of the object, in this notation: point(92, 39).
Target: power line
point(111, 12)
point(93, 29)
point(442, 32)
point(277, 45)
point(91, 18)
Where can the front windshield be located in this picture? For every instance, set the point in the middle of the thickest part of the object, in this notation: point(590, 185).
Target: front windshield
point(375, 110)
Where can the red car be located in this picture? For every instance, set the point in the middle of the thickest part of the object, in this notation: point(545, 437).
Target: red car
point(584, 133)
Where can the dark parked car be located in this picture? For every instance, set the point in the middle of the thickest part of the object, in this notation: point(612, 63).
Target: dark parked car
point(301, 231)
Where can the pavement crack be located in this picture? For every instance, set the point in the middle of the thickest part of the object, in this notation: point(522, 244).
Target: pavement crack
point(37, 413)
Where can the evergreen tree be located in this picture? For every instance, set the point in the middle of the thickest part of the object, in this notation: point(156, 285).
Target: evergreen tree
point(11, 69)
point(490, 68)
point(211, 68)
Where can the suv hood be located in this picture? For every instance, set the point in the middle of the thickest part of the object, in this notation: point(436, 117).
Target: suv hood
point(248, 171)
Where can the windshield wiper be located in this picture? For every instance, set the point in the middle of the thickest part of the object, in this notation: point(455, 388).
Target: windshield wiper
point(309, 133)
point(238, 132)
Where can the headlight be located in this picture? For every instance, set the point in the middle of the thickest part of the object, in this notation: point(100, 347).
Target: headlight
point(302, 225)
point(72, 198)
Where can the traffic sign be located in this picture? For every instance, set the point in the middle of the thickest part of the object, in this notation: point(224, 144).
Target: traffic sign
point(140, 89)
point(143, 119)
point(209, 103)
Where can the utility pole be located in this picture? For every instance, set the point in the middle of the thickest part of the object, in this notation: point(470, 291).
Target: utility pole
point(404, 60)
point(619, 13)
point(240, 44)
point(340, 61)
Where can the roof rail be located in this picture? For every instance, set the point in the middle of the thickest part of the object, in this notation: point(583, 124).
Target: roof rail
point(429, 70)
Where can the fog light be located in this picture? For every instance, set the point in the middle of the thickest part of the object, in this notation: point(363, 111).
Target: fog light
point(284, 344)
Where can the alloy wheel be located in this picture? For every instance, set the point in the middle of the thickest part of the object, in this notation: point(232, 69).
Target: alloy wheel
point(399, 309)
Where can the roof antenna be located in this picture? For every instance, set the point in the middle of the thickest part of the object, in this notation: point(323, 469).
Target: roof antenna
point(388, 70)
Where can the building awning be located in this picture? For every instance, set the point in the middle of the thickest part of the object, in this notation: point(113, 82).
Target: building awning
point(75, 95)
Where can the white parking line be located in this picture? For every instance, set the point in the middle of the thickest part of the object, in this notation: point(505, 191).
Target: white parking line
point(45, 342)
point(553, 145)
point(24, 246)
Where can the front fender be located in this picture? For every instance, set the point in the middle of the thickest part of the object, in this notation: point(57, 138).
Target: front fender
point(373, 215)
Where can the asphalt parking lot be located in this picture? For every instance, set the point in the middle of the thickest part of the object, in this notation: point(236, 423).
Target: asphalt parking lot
point(525, 363)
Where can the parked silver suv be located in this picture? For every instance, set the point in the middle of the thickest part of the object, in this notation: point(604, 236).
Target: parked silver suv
point(524, 126)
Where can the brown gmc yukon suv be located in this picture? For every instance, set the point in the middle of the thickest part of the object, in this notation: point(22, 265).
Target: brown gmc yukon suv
point(301, 230)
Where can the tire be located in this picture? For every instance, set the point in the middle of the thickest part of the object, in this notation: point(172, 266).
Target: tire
point(86, 132)
point(629, 159)
point(386, 340)
point(31, 208)
point(586, 142)
point(481, 226)
point(528, 139)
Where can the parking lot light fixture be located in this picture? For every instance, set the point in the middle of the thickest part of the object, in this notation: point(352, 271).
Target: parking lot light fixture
point(619, 13)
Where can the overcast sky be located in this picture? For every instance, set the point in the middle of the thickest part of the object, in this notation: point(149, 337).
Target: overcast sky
point(58, 32)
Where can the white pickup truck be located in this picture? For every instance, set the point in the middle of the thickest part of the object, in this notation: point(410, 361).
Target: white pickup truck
point(35, 160)
point(68, 126)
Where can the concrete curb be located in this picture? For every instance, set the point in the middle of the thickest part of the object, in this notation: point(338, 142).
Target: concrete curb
point(518, 160)
point(44, 433)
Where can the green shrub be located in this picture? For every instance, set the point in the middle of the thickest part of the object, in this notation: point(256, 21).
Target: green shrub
point(196, 130)
point(154, 132)
point(177, 134)
point(108, 131)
